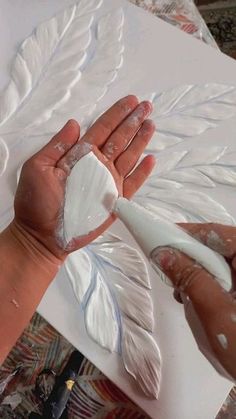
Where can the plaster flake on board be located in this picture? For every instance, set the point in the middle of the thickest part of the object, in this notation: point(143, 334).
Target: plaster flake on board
point(171, 192)
point(111, 282)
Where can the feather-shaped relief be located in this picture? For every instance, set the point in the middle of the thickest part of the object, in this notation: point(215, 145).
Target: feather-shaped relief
point(111, 282)
point(187, 111)
point(55, 73)
point(172, 191)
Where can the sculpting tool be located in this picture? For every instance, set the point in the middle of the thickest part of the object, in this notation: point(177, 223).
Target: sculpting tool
point(56, 403)
point(150, 233)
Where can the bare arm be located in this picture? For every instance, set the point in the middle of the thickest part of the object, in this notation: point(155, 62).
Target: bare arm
point(31, 253)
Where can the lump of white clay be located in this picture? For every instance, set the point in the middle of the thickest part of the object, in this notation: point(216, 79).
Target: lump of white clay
point(90, 197)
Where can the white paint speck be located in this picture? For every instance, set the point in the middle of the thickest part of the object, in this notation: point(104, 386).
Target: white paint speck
point(16, 304)
point(223, 340)
point(60, 147)
point(233, 317)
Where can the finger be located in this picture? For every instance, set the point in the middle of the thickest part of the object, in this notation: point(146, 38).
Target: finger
point(121, 137)
point(128, 159)
point(183, 272)
point(110, 120)
point(214, 307)
point(59, 145)
point(138, 176)
point(218, 237)
point(177, 296)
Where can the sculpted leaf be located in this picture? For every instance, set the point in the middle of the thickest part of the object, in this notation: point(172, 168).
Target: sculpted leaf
point(141, 358)
point(111, 281)
point(169, 187)
point(46, 68)
point(189, 110)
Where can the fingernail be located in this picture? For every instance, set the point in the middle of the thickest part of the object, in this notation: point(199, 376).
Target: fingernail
point(164, 258)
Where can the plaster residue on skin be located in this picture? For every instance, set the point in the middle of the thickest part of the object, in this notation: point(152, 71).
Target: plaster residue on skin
point(223, 340)
point(15, 303)
point(233, 317)
point(111, 149)
point(89, 186)
point(134, 119)
point(77, 152)
point(216, 243)
point(60, 147)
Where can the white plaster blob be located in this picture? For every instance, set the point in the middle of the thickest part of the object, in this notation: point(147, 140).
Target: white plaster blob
point(90, 196)
point(223, 340)
point(4, 156)
point(152, 233)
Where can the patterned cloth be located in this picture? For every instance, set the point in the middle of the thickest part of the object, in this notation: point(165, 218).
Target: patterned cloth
point(40, 346)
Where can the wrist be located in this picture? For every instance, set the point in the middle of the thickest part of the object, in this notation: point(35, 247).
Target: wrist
point(37, 257)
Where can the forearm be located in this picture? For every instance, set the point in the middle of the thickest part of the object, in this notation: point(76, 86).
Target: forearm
point(27, 269)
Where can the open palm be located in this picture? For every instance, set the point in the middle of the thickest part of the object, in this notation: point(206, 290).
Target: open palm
point(118, 138)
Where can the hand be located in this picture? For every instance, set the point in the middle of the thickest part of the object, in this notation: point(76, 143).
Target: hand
point(215, 308)
point(118, 138)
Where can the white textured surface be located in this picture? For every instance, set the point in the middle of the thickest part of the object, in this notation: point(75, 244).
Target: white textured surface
point(4, 156)
point(90, 196)
point(111, 281)
point(171, 193)
point(147, 67)
point(189, 110)
point(52, 78)
point(46, 68)
point(140, 359)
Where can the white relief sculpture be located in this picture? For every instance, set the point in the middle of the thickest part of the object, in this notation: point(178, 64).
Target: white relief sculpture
point(53, 75)
point(48, 84)
point(171, 192)
point(111, 282)
point(188, 110)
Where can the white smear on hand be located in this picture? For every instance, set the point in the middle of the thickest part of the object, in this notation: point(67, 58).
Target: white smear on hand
point(90, 197)
point(223, 340)
point(216, 243)
point(233, 317)
point(16, 304)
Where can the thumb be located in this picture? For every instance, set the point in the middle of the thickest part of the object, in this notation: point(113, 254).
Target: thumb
point(185, 274)
point(211, 301)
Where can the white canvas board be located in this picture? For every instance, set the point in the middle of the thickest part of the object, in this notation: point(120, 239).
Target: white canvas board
point(157, 57)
